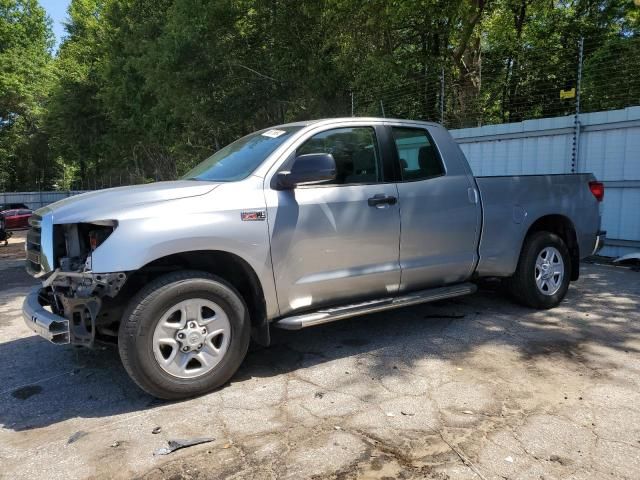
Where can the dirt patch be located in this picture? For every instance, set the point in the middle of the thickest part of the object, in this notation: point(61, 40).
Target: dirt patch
point(15, 249)
point(355, 342)
point(26, 392)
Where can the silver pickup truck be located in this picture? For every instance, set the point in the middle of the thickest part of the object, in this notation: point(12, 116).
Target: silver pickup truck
point(294, 226)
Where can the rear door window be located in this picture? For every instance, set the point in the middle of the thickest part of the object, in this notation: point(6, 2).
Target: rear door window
point(419, 159)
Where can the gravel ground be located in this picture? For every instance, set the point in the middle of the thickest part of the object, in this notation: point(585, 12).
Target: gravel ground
point(14, 250)
point(474, 388)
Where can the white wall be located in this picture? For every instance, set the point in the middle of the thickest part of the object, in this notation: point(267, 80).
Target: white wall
point(35, 200)
point(609, 147)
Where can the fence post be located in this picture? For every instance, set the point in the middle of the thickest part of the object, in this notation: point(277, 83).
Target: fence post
point(575, 156)
point(352, 105)
point(442, 96)
point(479, 96)
point(382, 108)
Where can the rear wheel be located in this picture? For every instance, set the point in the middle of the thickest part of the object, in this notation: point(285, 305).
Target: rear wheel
point(542, 278)
point(184, 334)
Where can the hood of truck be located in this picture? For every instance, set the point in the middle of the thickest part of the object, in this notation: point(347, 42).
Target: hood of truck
point(112, 203)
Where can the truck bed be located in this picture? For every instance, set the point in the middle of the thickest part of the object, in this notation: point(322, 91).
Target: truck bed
point(512, 203)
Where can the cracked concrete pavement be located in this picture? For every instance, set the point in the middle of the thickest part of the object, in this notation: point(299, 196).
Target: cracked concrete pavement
point(472, 388)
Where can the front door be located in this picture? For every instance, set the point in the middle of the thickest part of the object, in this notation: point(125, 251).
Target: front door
point(337, 242)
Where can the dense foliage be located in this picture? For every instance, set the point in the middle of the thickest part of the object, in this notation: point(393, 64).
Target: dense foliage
point(142, 89)
point(26, 75)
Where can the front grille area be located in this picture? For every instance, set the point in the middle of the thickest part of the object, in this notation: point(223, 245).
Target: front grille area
point(34, 245)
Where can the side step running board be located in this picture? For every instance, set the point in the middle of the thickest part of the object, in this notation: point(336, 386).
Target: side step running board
point(332, 314)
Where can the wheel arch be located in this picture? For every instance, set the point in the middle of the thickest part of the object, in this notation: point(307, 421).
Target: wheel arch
point(228, 266)
point(565, 229)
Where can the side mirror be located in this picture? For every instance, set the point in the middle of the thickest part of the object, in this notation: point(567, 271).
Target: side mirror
point(306, 170)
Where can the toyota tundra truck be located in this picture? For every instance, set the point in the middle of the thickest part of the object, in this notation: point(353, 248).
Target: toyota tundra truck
point(290, 227)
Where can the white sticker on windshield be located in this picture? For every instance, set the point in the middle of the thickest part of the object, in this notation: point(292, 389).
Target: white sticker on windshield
point(273, 133)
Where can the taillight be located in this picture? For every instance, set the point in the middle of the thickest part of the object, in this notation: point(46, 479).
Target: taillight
point(597, 188)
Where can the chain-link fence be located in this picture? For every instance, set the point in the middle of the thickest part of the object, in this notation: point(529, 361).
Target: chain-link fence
point(99, 182)
point(592, 75)
point(33, 200)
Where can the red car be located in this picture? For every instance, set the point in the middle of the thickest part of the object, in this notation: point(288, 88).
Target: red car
point(16, 219)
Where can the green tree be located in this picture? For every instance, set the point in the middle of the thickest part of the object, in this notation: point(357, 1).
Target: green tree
point(76, 120)
point(143, 89)
point(25, 76)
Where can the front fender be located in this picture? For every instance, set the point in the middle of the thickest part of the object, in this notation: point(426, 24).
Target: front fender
point(196, 227)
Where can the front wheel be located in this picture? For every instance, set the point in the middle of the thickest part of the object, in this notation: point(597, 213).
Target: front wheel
point(542, 278)
point(184, 334)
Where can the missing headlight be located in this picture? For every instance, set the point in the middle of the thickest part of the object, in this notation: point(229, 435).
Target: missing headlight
point(80, 240)
point(96, 233)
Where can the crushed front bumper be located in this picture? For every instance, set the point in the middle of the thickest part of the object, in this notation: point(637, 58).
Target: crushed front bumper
point(45, 323)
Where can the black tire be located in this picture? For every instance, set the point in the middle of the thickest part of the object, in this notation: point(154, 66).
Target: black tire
point(522, 285)
point(135, 336)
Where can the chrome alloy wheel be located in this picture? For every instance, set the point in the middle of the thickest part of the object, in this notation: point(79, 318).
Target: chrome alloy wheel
point(549, 271)
point(191, 338)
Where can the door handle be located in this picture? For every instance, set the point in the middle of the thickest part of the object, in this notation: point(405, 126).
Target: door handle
point(382, 199)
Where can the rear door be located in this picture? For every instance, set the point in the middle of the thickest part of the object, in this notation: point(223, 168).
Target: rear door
point(337, 242)
point(440, 210)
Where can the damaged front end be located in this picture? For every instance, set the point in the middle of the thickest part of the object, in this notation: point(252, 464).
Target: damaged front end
point(73, 303)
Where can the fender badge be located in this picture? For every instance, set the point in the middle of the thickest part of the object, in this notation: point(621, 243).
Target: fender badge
point(253, 216)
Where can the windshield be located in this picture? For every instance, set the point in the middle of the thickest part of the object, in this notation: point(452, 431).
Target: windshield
point(237, 160)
